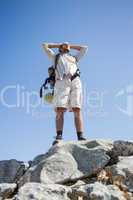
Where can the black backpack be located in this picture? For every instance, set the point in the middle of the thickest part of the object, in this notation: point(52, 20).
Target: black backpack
point(51, 78)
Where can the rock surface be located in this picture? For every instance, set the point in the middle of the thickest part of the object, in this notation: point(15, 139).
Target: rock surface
point(40, 191)
point(6, 189)
point(123, 172)
point(68, 162)
point(97, 191)
point(11, 170)
point(88, 170)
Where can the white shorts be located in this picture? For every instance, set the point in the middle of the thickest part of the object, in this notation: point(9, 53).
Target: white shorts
point(67, 93)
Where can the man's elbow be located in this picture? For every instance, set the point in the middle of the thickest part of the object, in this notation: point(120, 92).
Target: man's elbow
point(45, 46)
point(84, 50)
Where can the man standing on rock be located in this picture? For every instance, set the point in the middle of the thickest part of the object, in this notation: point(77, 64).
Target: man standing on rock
point(68, 86)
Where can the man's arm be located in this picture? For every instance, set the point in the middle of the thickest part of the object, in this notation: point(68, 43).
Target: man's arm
point(48, 49)
point(76, 47)
point(82, 50)
point(53, 45)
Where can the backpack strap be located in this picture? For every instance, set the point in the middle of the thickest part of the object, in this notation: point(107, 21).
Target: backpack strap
point(41, 91)
point(77, 73)
point(56, 60)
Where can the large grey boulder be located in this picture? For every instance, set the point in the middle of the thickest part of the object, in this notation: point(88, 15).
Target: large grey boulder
point(38, 191)
point(7, 189)
point(69, 161)
point(11, 170)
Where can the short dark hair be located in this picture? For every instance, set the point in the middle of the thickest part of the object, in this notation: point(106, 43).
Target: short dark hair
point(61, 47)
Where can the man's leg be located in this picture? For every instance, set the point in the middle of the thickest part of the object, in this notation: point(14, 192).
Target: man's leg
point(78, 119)
point(59, 123)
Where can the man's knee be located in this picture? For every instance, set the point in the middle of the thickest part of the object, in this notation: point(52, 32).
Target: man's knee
point(76, 110)
point(60, 109)
point(60, 112)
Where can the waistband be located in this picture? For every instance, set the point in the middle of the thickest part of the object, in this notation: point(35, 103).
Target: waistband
point(70, 77)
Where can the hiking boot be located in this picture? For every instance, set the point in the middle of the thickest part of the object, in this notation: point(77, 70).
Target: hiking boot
point(81, 138)
point(55, 142)
point(58, 138)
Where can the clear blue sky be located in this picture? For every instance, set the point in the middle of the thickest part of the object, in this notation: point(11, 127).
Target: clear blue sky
point(107, 70)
